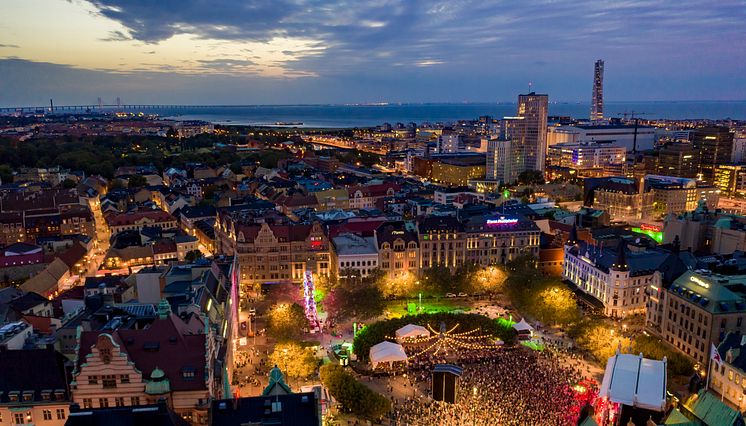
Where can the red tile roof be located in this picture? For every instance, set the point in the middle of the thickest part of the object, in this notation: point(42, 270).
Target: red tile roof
point(176, 351)
point(131, 218)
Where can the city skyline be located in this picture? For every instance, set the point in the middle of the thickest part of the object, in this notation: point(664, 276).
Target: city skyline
point(233, 53)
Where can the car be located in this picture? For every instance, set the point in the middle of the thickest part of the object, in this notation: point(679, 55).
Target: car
point(450, 295)
point(462, 294)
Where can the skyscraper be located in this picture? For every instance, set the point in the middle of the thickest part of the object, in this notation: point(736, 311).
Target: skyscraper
point(714, 146)
point(529, 132)
point(597, 103)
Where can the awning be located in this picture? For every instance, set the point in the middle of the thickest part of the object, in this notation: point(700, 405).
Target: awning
point(387, 352)
point(635, 381)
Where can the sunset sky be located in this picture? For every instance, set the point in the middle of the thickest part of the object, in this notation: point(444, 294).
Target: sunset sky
point(309, 51)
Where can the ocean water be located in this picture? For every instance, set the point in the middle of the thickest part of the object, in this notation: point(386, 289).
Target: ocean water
point(345, 116)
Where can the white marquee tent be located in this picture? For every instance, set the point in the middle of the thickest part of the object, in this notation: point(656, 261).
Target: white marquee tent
point(411, 331)
point(635, 381)
point(387, 352)
point(523, 327)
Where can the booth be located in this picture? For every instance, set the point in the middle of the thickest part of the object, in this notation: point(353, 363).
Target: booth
point(524, 330)
point(411, 331)
point(387, 352)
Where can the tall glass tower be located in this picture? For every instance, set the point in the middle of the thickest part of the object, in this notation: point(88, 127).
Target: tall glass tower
point(597, 103)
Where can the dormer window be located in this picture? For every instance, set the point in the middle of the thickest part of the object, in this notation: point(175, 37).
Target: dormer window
point(28, 396)
point(105, 355)
point(13, 396)
point(188, 373)
point(46, 394)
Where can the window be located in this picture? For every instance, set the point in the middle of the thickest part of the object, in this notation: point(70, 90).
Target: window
point(135, 400)
point(18, 417)
point(109, 381)
point(60, 414)
point(119, 401)
point(105, 355)
point(103, 402)
point(124, 378)
point(87, 403)
point(47, 414)
point(188, 374)
point(92, 380)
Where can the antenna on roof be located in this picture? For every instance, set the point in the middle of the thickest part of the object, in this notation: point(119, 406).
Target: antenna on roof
point(529, 86)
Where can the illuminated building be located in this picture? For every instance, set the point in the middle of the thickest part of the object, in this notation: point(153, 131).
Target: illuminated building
point(729, 377)
point(500, 161)
point(618, 134)
point(616, 279)
point(529, 134)
point(457, 170)
point(597, 101)
point(354, 253)
point(588, 156)
point(731, 179)
point(714, 145)
point(398, 249)
point(706, 230)
point(698, 308)
point(674, 195)
point(483, 240)
point(273, 252)
point(677, 159)
point(622, 198)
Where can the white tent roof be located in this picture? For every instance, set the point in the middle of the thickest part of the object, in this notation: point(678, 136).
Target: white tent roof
point(387, 352)
point(635, 381)
point(522, 326)
point(411, 331)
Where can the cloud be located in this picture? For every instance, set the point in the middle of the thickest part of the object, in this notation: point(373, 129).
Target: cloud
point(10, 46)
point(116, 36)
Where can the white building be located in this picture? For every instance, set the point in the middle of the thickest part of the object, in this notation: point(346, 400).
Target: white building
point(353, 252)
point(617, 278)
point(621, 135)
point(500, 161)
point(449, 143)
point(585, 155)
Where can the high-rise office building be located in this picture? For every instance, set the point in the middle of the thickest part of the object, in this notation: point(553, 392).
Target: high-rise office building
point(500, 161)
point(715, 147)
point(677, 159)
point(597, 103)
point(529, 132)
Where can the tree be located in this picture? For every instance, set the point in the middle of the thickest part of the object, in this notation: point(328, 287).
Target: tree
point(193, 255)
point(136, 181)
point(353, 396)
point(531, 177)
point(6, 173)
point(355, 297)
point(294, 360)
point(68, 184)
point(286, 321)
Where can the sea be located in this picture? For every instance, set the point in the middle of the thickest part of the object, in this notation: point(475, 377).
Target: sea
point(363, 115)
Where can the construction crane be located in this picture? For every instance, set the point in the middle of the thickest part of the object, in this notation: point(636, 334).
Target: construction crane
point(632, 115)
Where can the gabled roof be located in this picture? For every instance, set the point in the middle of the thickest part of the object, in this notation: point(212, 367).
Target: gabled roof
point(166, 344)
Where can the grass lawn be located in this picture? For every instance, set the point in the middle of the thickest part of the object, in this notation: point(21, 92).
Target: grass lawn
point(399, 308)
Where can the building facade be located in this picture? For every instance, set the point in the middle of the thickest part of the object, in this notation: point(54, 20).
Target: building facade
point(699, 308)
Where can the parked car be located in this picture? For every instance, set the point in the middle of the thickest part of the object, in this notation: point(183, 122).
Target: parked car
point(450, 295)
point(462, 294)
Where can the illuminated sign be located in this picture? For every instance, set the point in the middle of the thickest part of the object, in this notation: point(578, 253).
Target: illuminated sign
point(647, 227)
point(700, 282)
point(397, 232)
point(501, 221)
point(656, 235)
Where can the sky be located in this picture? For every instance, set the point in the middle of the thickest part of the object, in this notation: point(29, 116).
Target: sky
point(232, 52)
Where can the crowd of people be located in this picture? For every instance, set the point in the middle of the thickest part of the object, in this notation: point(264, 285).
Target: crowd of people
point(512, 386)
